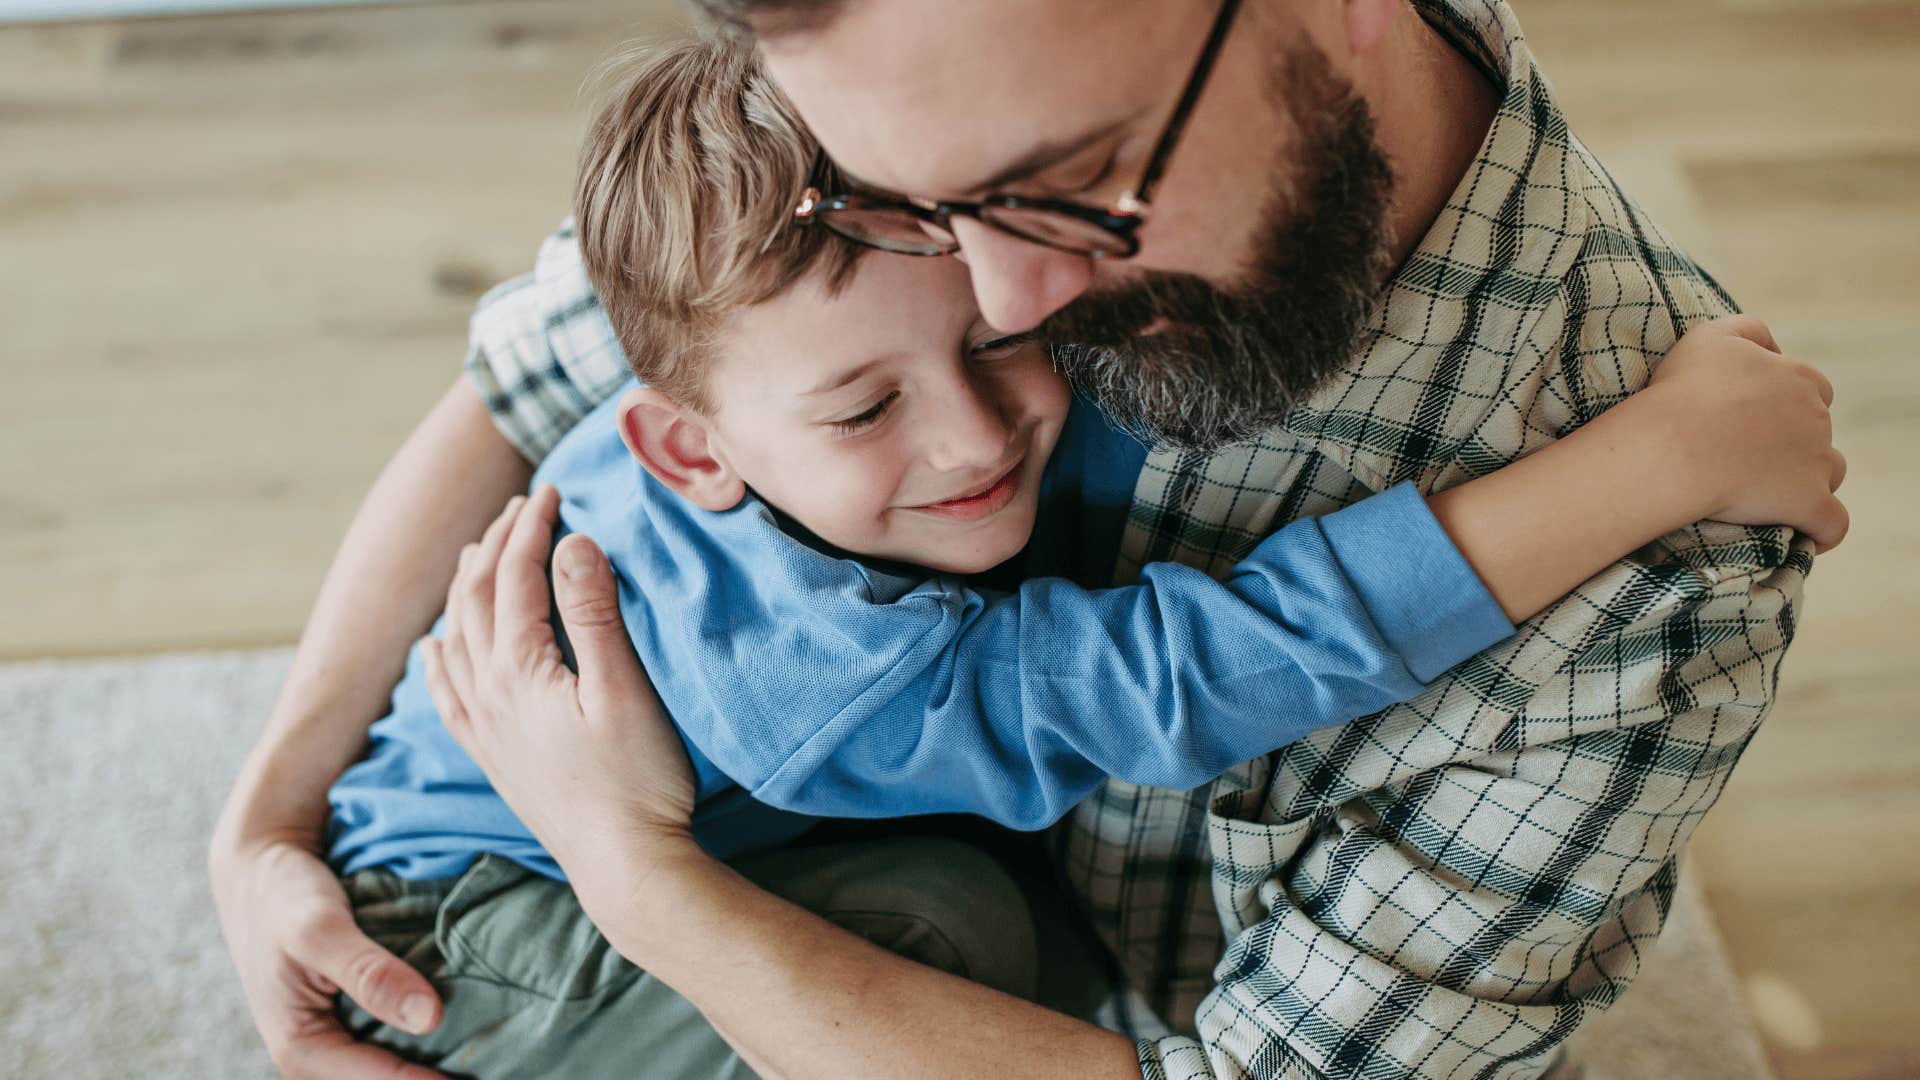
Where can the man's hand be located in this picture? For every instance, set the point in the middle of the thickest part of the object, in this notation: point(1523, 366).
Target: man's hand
point(292, 935)
point(588, 762)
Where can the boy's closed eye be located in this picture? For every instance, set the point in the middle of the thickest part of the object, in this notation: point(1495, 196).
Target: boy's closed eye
point(866, 418)
point(997, 348)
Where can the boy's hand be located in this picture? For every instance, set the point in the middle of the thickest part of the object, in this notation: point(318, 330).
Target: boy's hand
point(588, 762)
point(1756, 425)
point(291, 932)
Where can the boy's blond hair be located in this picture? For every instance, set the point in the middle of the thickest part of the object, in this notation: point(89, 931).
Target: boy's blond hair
point(684, 205)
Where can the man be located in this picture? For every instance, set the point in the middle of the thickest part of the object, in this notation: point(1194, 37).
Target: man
point(1364, 244)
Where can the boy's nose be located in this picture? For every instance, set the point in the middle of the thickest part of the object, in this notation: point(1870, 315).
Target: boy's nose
point(971, 431)
point(1018, 282)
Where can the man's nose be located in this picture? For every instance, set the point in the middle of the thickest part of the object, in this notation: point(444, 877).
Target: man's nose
point(1018, 282)
point(969, 430)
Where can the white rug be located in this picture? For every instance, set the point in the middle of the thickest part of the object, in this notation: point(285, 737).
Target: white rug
point(111, 963)
point(111, 778)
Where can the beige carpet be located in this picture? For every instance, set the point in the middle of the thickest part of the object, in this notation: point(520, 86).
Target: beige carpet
point(112, 775)
point(113, 967)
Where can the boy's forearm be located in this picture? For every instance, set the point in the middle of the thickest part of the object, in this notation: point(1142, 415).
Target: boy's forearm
point(385, 586)
point(1539, 527)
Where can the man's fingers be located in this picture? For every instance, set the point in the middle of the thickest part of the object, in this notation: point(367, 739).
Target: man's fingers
point(447, 701)
point(1839, 474)
point(589, 603)
point(521, 607)
point(332, 1054)
point(497, 529)
point(339, 951)
point(476, 580)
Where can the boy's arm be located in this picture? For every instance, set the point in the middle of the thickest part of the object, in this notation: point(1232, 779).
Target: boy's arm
point(942, 698)
point(1727, 430)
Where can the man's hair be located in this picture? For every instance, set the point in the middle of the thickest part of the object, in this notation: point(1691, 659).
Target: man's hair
point(684, 205)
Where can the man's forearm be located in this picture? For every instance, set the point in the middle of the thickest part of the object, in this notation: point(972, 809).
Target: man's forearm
point(383, 590)
point(800, 997)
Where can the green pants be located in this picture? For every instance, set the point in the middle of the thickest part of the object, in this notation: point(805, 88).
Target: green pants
point(533, 990)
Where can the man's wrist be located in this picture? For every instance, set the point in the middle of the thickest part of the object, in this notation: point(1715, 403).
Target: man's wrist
point(635, 888)
point(266, 808)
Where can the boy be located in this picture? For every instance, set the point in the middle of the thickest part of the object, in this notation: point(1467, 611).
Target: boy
point(801, 407)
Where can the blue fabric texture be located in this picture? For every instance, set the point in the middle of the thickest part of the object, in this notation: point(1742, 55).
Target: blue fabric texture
point(807, 683)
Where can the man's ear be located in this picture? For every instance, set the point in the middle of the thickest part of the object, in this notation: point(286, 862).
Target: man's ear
point(678, 446)
point(1367, 22)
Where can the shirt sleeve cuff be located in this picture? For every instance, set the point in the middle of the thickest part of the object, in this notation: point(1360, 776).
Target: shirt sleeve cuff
point(1175, 1057)
point(1427, 602)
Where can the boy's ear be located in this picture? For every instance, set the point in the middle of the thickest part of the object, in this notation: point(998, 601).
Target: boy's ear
point(678, 447)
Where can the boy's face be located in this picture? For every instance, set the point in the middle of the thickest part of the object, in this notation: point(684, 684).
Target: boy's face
point(890, 419)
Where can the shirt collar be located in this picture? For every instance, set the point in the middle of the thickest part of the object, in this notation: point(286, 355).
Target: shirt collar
point(1440, 347)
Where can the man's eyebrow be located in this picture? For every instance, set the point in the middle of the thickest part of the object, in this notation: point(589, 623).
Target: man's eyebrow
point(1046, 155)
point(847, 375)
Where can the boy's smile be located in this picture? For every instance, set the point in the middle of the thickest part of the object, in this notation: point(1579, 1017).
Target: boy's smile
point(980, 503)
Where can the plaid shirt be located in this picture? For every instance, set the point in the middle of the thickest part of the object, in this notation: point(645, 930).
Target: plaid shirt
point(1450, 887)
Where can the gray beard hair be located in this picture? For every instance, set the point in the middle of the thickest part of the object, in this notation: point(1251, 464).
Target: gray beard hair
point(1225, 364)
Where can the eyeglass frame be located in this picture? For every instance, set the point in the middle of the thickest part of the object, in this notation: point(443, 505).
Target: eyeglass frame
point(1122, 220)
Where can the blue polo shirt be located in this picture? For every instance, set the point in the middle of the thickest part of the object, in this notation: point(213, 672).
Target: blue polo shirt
point(806, 683)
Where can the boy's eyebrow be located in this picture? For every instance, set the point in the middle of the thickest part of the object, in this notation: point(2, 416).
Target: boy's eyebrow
point(847, 375)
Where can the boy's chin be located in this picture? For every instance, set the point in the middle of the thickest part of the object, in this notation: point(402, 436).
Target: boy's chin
point(976, 555)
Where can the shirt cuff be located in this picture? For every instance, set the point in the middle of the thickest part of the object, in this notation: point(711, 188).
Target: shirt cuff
point(1427, 602)
point(1175, 1057)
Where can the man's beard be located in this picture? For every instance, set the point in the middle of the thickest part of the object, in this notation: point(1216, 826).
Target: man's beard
point(1223, 364)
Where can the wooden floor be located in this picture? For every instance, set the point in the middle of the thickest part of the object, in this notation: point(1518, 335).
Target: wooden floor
point(237, 254)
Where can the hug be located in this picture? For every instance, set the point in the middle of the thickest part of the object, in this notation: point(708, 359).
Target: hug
point(1252, 567)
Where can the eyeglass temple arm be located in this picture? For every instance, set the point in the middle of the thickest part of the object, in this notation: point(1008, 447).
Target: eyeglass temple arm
point(810, 198)
point(1189, 96)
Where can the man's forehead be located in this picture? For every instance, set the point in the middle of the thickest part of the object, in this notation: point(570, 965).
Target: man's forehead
point(932, 97)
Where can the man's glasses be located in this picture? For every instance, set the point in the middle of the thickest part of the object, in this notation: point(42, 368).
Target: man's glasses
point(913, 226)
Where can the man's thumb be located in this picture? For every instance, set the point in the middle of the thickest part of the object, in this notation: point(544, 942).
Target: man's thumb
point(376, 980)
point(589, 604)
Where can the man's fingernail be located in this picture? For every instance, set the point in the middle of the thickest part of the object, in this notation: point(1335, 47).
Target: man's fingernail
point(576, 562)
point(416, 1013)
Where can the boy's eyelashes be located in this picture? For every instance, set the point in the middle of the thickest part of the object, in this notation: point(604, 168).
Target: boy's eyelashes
point(991, 349)
point(851, 424)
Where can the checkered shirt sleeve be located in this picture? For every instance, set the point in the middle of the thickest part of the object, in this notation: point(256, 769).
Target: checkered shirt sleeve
point(541, 352)
point(1449, 888)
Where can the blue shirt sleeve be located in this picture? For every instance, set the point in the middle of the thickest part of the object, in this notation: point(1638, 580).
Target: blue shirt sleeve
point(827, 687)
